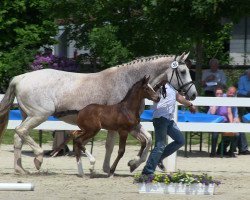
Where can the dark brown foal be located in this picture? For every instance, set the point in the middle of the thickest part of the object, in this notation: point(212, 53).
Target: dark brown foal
point(122, 117)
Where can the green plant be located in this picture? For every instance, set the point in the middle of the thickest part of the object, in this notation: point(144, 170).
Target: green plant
point(176, 177)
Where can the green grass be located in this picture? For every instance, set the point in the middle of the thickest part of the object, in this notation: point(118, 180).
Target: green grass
point(8, 137)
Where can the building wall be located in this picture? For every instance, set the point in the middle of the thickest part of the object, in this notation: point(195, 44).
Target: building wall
point(240, 43)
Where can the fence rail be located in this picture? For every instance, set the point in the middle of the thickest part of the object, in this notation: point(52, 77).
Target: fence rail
point(184, 126)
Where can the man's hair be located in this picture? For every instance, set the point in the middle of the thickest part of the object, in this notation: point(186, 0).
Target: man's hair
point(213, 61)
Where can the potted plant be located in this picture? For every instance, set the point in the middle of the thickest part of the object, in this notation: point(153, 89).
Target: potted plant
point(176, 183)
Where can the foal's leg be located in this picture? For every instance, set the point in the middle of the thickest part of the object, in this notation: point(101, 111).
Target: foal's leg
point(23, 132)
point(146, 140)
point(89, 155)
point(121, 151)
point(78, 147)
point(110, 143)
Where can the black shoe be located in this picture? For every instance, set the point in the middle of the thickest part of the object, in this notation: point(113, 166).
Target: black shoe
point(225, 153)
point(161, 166)
point(244, 152)
point(212, 155)
point(232, 155)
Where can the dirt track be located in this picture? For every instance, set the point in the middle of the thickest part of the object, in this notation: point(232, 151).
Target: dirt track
point(57, 179)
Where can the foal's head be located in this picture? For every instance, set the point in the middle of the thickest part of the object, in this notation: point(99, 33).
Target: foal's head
point(147, 91)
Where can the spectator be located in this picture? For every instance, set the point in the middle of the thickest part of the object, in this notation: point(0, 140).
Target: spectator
point(244, 91)
point(191, 71)
point(213, 77)
point(229, 116)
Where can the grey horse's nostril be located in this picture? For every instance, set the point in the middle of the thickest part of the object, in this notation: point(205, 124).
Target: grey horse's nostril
point(193, 97)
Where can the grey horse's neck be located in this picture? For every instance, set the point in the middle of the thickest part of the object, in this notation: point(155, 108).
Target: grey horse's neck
point(153, 66)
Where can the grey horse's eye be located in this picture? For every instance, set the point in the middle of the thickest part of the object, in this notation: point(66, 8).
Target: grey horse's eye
point(183, 72)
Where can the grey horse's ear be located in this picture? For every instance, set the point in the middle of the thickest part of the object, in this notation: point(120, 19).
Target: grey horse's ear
point(185, 57)
point(180, 58)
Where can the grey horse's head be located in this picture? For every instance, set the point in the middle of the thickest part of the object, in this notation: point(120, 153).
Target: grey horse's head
point(180, 77)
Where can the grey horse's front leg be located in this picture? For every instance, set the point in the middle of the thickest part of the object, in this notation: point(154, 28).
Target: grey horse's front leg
point(110, 143)
point(146, 141)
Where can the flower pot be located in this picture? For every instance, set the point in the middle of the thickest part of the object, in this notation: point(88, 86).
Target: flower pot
point(177, 188)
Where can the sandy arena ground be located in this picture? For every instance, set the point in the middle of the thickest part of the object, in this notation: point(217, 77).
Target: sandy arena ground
point(57, 179)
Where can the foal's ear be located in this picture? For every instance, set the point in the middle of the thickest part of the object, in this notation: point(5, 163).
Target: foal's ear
point(145, 79)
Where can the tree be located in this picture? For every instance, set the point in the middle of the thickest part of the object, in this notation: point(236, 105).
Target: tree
point(25, 26)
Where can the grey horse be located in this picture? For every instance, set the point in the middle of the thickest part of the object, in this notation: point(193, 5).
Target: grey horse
point(49, 92)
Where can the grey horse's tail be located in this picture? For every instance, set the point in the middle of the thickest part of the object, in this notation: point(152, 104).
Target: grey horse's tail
point(5, 106)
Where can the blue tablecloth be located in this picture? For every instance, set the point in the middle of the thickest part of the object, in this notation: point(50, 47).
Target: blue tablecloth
point(186, 116)
point(246, 118)
point(16, 115)
point(183, 116)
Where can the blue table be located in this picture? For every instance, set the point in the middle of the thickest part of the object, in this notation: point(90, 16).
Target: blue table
point(187, 116)
point(246, 118)
point(16, 115)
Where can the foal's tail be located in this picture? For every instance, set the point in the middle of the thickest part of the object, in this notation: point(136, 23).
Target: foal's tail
point(5, 106)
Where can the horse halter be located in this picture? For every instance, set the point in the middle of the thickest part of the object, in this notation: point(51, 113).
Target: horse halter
point(182, 86)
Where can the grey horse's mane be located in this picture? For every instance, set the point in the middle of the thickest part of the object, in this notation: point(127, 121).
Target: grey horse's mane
point(144, 59)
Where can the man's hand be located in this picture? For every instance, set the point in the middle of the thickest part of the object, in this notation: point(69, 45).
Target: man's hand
point(192, 108)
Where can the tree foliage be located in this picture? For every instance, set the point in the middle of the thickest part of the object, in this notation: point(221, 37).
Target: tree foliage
point(25, 26)
point(154, 26)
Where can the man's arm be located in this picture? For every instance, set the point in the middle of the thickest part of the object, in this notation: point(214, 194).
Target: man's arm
point(185, 102)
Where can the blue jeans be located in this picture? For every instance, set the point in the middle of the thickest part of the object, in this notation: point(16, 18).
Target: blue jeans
point(163, 127)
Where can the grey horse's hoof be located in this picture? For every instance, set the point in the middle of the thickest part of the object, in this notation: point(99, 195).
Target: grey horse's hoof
point(21, 171)
point(37, 163)
point(132, 165)
point(38, 160)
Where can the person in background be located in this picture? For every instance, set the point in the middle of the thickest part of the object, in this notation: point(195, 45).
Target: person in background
point(213, 77)
point(242, 142)
point(244, 91)
point(191, 71)
point(163, 121)
point(229, 116)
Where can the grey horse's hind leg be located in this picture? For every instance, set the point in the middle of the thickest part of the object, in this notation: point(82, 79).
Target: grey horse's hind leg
point(23, 132)
point(110, 143)
point(18, 144)
point(146, 140)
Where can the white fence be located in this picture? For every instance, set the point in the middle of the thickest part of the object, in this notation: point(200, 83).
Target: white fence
point(206, 127)
point(184, 126)
point(211, 127)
